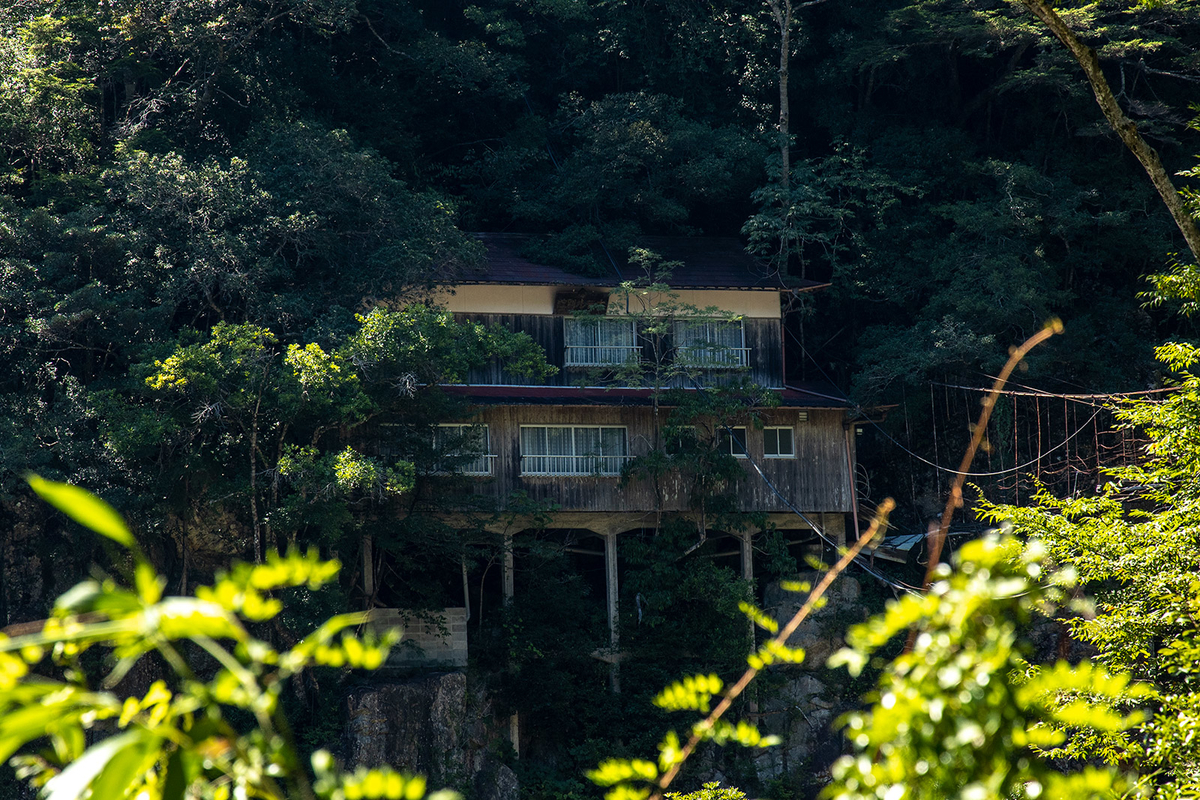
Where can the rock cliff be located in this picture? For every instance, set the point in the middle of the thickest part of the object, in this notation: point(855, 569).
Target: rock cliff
point(434, 724)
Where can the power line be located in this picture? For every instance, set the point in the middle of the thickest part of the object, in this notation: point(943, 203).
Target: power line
point(816, 529)
point(791, 506)
point(1078, 397)
point(994, 473)
point(860, 410)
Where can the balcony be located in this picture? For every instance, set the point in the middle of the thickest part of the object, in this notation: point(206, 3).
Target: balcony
point(609, 466)
point(713, 356)
point(600, 356)
point(480, 465)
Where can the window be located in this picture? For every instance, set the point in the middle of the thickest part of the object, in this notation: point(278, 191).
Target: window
point(778, 443)
point(732, 441)
point(712, 344)
point(679, 439)
point(599, 341)
point(465, 449)
point(573, 450)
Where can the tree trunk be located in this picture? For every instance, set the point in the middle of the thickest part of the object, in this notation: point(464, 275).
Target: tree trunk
point(258, 553)
point(783, 16)
point(1120, 123)
point(781, 10)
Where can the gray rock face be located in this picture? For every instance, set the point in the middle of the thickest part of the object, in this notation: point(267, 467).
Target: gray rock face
point(821, 634)
point(801, 712)
point(804, 702)
point(431, 724)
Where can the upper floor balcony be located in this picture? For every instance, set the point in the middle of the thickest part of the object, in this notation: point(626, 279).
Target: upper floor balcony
point(717, 317)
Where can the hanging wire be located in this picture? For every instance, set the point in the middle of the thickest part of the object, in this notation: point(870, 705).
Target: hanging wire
point(1030, 393)
point(858, 560)
point(866, 418)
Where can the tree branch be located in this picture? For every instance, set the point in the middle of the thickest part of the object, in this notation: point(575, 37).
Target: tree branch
point(1124, 127)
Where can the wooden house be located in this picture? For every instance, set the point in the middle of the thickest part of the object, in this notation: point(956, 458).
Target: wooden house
point(620, 342)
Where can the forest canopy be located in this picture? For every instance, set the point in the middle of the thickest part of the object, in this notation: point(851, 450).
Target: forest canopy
point(219, 221)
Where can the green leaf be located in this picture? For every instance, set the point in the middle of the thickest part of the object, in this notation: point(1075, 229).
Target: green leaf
point(128, 766)
point(26, 724)
point(72, 782)
point(176, 782)
point(149, 585)
point(85, 508)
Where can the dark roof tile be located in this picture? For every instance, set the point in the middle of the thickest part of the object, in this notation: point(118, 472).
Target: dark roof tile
point(707, 263)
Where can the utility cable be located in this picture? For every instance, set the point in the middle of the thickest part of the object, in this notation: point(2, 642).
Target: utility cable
point(861, 411)
point(994, 473)
point(1079, 398)
point(792, 507)
point(816, 529)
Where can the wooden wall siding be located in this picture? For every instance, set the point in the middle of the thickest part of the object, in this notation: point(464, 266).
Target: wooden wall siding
point(763, 337)
point(816, 480)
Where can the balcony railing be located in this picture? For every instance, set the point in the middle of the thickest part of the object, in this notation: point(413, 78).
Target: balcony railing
point(572, 465)
point(607, 356)
point(480, 465)
point(705, 356)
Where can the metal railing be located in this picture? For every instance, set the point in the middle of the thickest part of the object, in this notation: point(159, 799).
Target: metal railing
point(573, 465)
point(479, 465)
point(605, 356)
point(712, 356)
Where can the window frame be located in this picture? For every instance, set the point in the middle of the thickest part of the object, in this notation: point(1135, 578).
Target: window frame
point(575, 458)
point(632, 351)
point(486, 459)
point(709, 352)
point(674, 445)
point(728, 434)
point(791, 441)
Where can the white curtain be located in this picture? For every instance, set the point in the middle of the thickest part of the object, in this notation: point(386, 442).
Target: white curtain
point(711, 343)
point(582, 450)
point(598, 341)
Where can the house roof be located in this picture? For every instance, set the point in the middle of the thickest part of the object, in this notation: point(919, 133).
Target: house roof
point(804, 396)
point(707, 263)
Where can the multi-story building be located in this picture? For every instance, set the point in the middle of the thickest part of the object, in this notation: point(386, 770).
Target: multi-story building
point(568, 439)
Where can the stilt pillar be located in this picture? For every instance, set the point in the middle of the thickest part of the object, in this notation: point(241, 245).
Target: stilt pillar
point(508, 581)
point(835, 528)
point(746, 544)
point(610, 586)
point(611, 590)
point(368, 551)
point(508, 569)
point(745, 541)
